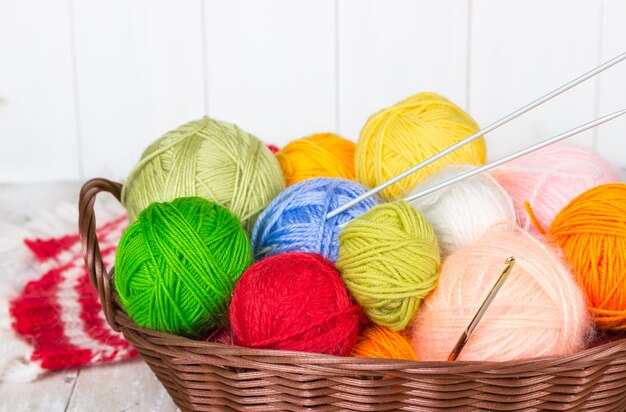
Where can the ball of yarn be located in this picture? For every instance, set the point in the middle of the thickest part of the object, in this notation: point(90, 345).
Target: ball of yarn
point(294, 301)
point(549, 178)
point(273, 148)
point(389, 260)
point(320, 155)
point(591, 229)
point(397, 138)
point(380, 342)
point(177, 264)
point(222, 335)
point(539, 311)
point(210, 159)
point(295, 221)
point(464, 211)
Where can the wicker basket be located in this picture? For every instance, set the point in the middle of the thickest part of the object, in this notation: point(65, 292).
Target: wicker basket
point(204, 376)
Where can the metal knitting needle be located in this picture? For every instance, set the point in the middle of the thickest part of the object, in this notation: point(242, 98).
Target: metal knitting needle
point(515, 155)
point(510, 262)
point(478, 134)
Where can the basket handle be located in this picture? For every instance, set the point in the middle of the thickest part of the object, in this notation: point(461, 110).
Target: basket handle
point(100, 278)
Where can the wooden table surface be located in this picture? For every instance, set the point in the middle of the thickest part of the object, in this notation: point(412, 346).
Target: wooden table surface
point(127, 386)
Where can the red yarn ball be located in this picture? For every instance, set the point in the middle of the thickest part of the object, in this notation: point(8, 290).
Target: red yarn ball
point(222, 335)
point(294, 301)
point(274, 149)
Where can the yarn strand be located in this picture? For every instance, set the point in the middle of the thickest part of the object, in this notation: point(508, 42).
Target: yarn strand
point(533, 218)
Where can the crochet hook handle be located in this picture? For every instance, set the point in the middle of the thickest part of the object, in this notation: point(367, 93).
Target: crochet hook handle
point(89, 241)
point(481, 132)
point(467, 333)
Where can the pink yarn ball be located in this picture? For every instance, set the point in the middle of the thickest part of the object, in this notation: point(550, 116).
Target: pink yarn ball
point(540, 310)
point(550, 178)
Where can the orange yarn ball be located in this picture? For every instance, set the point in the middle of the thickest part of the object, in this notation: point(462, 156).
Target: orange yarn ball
point(591, 229)
point(380, 342)
point(319, 155)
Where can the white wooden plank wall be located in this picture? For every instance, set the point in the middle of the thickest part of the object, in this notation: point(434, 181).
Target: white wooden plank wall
point(38, 134)
point(271, 66)
point(139, 72)
point(390, 50)
point(520, 50)
point(85, 86)
point(611, 138)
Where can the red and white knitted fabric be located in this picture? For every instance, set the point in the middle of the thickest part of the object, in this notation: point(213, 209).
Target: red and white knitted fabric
point(59, 314)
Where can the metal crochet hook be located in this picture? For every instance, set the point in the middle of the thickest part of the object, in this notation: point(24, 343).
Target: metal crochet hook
point(480, 133)
point(510, 262)
point(517, 154)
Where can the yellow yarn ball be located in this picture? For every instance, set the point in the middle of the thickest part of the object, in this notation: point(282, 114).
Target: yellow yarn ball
point(319, 155)
point(399, 137)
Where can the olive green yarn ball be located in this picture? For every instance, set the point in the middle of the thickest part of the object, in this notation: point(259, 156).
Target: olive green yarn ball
point(209, 159)
point(177, 264)
point(389, 261)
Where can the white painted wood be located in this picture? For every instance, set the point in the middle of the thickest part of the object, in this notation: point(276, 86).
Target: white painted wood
point(522, 49)
point(271, 66)
point(129, 386)
point(389, 51)
point(49, 394)
point(611, 137)
point(140, 74)
point(20, 203)
point(86, 86)
point(37, 124)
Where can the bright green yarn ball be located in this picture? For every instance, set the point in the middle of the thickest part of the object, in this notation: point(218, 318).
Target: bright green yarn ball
point(209, 159)
point(389, 261)
point(177, 264)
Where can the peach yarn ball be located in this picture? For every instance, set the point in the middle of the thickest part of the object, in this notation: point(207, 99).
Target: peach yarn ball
point(539, 311)
point(549, 178)
point(319, 155)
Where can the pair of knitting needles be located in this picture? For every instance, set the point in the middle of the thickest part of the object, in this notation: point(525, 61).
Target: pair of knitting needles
point(488, 129)
point(510, 262)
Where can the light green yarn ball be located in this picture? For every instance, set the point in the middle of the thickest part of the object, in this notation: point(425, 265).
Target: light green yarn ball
point(177, 264)
point(389, 260)
point(210, 159)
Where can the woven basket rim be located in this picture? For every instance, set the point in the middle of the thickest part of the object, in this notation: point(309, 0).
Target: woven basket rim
point(542, 362)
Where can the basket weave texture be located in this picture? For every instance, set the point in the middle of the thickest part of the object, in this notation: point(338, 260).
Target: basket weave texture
point(205, 376)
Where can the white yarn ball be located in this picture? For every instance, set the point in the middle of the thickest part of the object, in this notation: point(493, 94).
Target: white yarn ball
point(464, 211)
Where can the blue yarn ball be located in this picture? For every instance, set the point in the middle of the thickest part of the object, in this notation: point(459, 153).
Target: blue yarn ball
point(295, 221)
